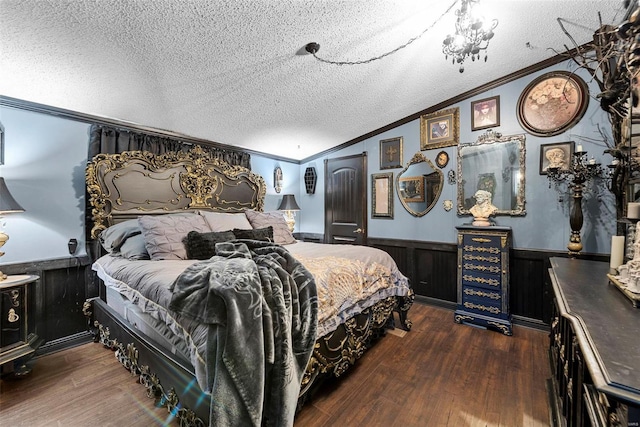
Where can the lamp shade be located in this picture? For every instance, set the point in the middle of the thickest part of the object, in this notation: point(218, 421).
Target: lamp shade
point(288, 203)
point(7, 202)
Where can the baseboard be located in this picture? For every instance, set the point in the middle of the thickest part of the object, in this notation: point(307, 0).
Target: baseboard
point(436, 302)
point(64, 343)
point(529, 323)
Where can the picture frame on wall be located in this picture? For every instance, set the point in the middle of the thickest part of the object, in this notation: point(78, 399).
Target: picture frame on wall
point(440, 129)
point(485, 113)
point(556, 155)
point(382, 195)
point(391, 153)
point(553, 103)
point(1, 144)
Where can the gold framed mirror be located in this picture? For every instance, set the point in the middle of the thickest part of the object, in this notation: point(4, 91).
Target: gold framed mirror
point(419, 185)
point(494, 163)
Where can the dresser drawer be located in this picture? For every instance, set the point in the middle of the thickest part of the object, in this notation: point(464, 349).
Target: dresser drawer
point(485, 243)
point(481, 301)
point(480, 280)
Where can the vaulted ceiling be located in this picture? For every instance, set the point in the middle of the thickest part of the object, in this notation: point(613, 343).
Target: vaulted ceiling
point(236, 71)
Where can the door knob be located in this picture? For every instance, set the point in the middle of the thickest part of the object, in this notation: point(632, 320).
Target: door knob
point(358, 230)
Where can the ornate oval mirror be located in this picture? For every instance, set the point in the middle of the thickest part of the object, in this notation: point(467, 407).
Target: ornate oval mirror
point(496, 164)
point(419, 185)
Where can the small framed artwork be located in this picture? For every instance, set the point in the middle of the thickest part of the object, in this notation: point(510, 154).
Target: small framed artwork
point(556, 155)
point(485, 113)
point(553, 103)
point(391, 153)
point(382, 195)
point(440, 129)
point(442, 159)
point(411, 189)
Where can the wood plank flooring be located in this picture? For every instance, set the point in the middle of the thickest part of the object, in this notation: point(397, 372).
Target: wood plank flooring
point(438, 374)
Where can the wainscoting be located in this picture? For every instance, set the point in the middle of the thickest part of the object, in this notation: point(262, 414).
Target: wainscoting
point(56, 299)
point(431, 267)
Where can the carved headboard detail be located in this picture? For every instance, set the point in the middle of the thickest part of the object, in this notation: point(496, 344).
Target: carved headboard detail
point(132, 183)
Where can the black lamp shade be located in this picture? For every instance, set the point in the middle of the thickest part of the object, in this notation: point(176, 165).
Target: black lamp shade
point(7, 202)
point(288, 203)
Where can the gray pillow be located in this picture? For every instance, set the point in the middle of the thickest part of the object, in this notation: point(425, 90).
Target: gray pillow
point(115, 236)
point(163, 234)
point(133, 248)
point(281, 233)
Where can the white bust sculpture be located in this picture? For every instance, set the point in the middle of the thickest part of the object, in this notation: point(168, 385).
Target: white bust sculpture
point(483, 208)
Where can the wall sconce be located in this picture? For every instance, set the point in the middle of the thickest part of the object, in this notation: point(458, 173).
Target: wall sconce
point(277, 179)
point(7, 205)
point(289, 206)
point(580, 172)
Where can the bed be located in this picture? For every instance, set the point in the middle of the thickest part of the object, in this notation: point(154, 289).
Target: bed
point(223, 316)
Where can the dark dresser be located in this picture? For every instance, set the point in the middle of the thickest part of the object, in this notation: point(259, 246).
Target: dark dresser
point(483, 277)
point(594, 348)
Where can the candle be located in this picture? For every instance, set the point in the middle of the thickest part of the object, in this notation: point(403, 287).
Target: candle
point(633, 210)
point(579, 149)
point(617, 251)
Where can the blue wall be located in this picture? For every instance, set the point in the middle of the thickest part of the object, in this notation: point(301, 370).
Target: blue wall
point(45, 158)
point(546, 223)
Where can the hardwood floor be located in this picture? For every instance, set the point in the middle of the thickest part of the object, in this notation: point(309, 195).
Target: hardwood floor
point(439, 374)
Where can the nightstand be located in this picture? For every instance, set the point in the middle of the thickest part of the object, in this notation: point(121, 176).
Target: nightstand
point(17, 343)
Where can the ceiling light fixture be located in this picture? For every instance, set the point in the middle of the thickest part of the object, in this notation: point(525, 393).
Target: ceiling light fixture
point(473, 33)
point(313, 47)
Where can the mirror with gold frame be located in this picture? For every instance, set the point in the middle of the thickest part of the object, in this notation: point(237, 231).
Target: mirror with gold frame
point(494, 163)
point(419, 185)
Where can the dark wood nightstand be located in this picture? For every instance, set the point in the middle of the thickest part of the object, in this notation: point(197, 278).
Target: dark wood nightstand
point(17, 342)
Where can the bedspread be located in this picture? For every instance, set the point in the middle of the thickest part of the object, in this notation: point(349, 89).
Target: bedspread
point(261, 305)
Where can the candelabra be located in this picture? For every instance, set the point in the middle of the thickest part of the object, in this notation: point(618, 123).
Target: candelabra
point(579, 172)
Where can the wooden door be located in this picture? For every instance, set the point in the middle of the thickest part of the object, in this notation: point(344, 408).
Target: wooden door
point(346, 200)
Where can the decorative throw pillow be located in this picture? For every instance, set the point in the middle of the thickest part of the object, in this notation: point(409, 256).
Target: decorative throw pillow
point(281, 233)
point(163, 234)
point(222, 221)
point(203, 245)
point(115, 236)
point(265, 234)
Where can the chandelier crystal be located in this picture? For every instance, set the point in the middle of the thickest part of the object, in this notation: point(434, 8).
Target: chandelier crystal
point(473, 33)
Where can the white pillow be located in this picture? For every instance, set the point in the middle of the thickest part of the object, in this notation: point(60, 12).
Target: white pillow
point(223, 221)
point(163, 234)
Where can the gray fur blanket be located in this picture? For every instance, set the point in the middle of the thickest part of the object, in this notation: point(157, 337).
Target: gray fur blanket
point(261, 304)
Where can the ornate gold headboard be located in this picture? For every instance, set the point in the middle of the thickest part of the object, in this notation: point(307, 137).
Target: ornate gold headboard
point(133, 183)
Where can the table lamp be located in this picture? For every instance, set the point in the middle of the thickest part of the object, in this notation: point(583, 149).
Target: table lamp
point(289, 206)
point(7, 205)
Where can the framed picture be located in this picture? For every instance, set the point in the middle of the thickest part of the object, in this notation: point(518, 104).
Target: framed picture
point(553, 103)
point(485, 113)
point(440, 129)
point(556, 155)
point(382, 195)
point(442, 159)
point(391, 153)
point(411, 189)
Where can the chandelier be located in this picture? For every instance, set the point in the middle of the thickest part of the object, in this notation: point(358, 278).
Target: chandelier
point(473, 33)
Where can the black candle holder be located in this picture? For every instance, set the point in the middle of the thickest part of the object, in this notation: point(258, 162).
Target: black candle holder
point(581, 171)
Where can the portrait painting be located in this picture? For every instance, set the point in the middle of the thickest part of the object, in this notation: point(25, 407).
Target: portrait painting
point(391, 153)
point(382, 195)
point(440, 129)
point(556, 155)
point(485, 113)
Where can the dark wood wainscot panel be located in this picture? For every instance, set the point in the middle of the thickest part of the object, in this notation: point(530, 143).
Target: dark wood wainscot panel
point(55, 305)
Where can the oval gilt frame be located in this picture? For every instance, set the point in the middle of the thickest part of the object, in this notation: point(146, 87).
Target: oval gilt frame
point(553, 103)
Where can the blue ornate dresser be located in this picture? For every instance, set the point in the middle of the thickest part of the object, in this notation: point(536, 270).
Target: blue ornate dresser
point(483, 277)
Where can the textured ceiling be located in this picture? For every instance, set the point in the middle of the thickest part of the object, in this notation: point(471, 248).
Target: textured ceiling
point(235, 71)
